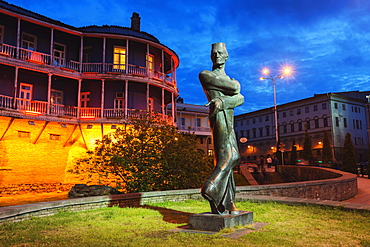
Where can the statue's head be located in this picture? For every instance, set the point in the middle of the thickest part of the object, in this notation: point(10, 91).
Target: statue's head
point(219, 53)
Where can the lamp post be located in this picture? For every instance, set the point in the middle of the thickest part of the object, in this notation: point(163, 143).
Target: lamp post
point(268, 76)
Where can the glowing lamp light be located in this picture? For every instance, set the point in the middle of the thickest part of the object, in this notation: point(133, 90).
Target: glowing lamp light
point(265, 71)
point(319, 143)
point(287, 71)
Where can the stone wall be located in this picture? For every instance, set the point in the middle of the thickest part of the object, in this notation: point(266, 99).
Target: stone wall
point(335, 189)
point(341, 186)
point(306, 173)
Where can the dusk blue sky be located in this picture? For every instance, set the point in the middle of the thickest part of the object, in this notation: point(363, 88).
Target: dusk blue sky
point(327, 41)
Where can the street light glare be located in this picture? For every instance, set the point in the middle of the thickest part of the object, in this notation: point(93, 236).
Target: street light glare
point(265, 71)
point(287, 71)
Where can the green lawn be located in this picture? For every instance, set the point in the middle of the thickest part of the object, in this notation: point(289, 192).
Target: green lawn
point(150, 225)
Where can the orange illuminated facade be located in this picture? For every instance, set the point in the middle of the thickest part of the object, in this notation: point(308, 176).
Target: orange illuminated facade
point(63, 87)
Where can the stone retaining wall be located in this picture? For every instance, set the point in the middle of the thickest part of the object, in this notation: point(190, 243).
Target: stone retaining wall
point(342, 187)
point(335, 189)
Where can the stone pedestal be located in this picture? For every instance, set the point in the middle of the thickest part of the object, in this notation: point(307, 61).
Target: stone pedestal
point(215, 222)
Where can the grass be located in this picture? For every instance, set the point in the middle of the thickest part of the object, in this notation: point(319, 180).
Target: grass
point(149, 226)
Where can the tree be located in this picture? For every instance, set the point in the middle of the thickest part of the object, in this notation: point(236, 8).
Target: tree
point(149, 154)
point(327, 155)
point(293, 155)
point(307, 150)
point(348, 157)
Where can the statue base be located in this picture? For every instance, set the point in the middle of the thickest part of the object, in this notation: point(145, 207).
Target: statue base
point(216, 222)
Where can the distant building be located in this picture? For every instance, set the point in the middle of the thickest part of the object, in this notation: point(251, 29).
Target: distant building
point(337, 113)
point(63, 87)
point(194, 119)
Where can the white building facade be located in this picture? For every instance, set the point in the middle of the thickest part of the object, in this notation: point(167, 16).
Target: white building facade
point(336, 113)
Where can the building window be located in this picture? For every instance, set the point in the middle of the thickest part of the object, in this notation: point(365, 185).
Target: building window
point(56, 97)
point(25, 95)
point(315, 108)
point(247, 121)
point(87, 54)
point(308, 125)
point(150, 61)
point(267, 130)
point(248, 133)
point(326, 124)
point(337, 121)
point(197, 122)
point(54, 137)
point(291, 112)
point(300, 126)
point(118, 103)
point(357, 125)
point(298, 111)
point(260, 119)
point(254, 133)
point(24, 134)
point(345, 122)
point(284, 114)
point(343, 107)
point(182, 121)
point(292, 127)
point(241, 123)
point(307, 109)
point(316, 123)
point(85, 99)
point(267, 118)
point(323, 106)
point(59, 54)
point(150, 104)
point(254, 121)
point(284, 128)
point(261, 132)
point(119, 57)
point(336, 105)
point(28, 41)
point(1, 33)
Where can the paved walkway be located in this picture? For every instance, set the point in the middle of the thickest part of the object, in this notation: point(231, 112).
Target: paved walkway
point(363, 195)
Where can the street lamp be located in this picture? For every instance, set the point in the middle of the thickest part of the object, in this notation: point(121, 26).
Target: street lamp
point(286, 71)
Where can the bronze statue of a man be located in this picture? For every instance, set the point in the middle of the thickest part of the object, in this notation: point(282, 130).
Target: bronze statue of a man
point(223, 94)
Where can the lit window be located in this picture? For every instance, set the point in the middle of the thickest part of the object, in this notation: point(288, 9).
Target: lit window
point(119, 58)
point(150, 59)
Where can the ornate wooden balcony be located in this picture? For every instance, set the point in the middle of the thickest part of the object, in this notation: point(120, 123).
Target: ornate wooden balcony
point(69, 65)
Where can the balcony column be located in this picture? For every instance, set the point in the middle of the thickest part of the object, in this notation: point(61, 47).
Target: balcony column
point(126, 96)
point(127, 53)
point(15, 88)
point(18, 36)
point(104, 52)
point(102, 97)
point(147, 97)
point(49, 93)
point(81, 52)
point(162, 69)
point(163, 110)
point(147, 60)
point(52, 46)
point(79, 98)
point(173, 107)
